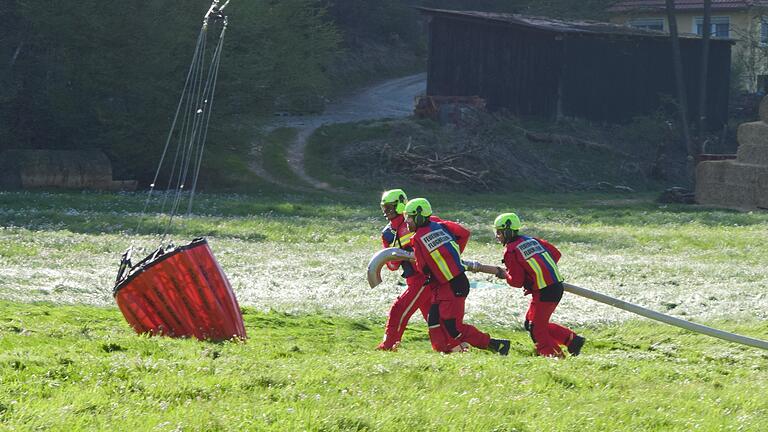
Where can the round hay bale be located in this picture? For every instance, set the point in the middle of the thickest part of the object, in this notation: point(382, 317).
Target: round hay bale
point(68, 169)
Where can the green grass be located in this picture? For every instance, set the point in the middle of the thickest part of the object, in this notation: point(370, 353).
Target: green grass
point(68, 361)
point(360, 154)
point(81, 368)
point(274, 156)
point(329, 140)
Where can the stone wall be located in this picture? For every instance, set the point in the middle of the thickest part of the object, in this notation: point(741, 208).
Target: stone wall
point(66, 169)
point(743, 182)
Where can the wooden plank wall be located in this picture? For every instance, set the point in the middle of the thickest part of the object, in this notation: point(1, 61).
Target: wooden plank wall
point(601, 78)
point(512, 69)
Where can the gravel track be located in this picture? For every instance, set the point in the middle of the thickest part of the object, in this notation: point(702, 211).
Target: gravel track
point(389, 99)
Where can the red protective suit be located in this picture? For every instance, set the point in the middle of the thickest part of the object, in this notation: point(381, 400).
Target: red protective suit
point(437, 248)
point(532, 264)
point(417, 296)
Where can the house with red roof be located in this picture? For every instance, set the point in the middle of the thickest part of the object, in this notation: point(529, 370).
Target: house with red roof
point(744, 21)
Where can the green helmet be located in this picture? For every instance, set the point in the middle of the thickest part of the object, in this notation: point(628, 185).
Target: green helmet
point(418, 206)
point(396, 197)
point(507, 221)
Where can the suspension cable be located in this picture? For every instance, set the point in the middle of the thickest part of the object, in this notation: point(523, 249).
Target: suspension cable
point(191, 120)
point(170, 132)
point(199, 115)
point(217, 57)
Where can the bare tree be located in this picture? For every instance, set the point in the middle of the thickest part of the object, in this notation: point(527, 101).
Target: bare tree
point(706, 33)
point(682, 98)
point(751, 54)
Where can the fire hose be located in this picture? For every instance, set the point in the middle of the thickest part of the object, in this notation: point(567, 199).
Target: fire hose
point(395, 254)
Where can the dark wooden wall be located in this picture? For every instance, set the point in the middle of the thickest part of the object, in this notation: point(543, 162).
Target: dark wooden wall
point(513, 69)
point(597, 77)
point(614, 79)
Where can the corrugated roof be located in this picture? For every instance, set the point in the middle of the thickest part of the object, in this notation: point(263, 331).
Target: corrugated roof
point(685, 5)
point(554, 25)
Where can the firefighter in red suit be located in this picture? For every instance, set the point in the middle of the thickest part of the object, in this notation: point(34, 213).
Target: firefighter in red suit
point(416, 296)
point(437, 247)
point(531, 263)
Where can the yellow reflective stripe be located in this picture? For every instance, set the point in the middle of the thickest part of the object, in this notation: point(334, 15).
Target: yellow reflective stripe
point(553, 264)
point(456, 246)
point(406, 239)
point(536, 269)
point(441, 264)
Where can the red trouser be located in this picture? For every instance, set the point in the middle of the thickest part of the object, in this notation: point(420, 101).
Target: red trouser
point(416, 296)
point(546, 335)
point(446, 326)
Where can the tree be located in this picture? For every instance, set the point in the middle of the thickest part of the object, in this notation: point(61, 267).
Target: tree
point(682, 98)
point(107, 74)
point(703, 73)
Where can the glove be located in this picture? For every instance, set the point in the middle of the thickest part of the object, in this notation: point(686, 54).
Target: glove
point(501, 273)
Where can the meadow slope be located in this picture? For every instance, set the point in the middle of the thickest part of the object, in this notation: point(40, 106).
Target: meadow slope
point(68, 360)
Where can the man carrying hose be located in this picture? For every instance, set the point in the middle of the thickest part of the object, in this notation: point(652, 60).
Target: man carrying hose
point(531, 263)
point(437, 247)
point(416, 296)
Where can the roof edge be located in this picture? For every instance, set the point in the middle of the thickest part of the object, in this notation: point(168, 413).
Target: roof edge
point(554, 25)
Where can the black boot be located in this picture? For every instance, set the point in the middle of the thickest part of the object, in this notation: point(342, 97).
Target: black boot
point(575, 346)
point(500, 346)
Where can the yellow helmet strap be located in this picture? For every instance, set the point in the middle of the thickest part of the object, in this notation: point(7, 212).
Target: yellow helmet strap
point(509, 234)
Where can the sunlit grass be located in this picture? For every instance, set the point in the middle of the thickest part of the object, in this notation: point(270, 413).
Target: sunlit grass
point(295, 253)
point(297, 264)
point(82, 368)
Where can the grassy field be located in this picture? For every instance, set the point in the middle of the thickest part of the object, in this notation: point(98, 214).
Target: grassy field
point(274, 155)
point(68, 361)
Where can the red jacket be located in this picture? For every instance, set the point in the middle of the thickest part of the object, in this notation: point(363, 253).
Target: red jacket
point(396, 234)
point(437, 247)
point(531, 263)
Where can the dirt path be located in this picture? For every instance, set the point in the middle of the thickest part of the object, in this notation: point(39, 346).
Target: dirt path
point(389, 99)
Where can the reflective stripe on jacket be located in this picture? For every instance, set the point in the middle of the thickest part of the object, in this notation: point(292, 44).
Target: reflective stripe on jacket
point(437, 247)
point(531, 263)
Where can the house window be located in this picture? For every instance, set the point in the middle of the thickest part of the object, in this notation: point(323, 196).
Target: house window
point(764, 31)
point(647, 23)
point(720, 27)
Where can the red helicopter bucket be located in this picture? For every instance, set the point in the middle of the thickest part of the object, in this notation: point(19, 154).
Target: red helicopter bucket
point(182, 292)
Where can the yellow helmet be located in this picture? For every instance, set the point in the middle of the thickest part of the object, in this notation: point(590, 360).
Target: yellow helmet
point(418, 206)
point(507, 221)
point(396, 197)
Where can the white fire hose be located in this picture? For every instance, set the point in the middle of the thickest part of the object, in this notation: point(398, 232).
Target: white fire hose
point(395, 254)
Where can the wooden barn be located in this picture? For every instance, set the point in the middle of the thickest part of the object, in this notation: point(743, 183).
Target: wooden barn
point(546, 67)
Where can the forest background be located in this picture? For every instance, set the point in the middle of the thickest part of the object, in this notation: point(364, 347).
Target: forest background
point(106, 75)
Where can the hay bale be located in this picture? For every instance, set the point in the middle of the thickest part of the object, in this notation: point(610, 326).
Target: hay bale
point(740, 183)
point(753, 133)
point(761, 194)
point(711, 171)
point(67, 169)
point(752, 154)
point(731, 184)
point(741, 174)
point(726, 195)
